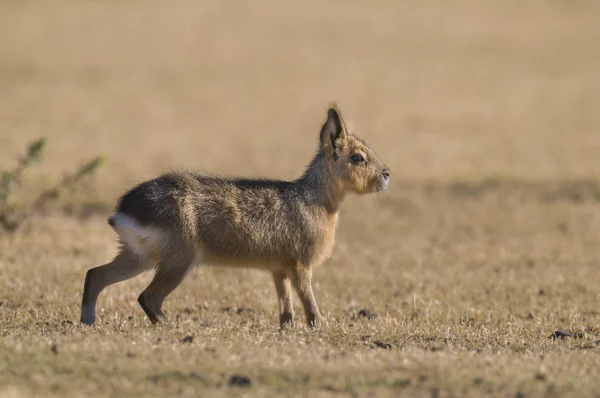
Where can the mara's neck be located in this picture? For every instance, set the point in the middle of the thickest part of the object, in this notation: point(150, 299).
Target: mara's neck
point(319, 186)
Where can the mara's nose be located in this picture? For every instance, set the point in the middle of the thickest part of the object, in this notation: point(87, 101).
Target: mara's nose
point(386, 173)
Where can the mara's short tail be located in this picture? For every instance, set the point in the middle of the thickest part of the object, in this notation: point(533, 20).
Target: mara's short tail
point(111, 221)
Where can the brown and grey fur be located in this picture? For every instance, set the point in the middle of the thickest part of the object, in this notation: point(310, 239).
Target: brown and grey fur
point(286, 227)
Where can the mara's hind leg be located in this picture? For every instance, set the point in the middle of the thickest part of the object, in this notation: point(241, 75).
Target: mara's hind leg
point(170, 272)
point(284, 297)
point(126, 265)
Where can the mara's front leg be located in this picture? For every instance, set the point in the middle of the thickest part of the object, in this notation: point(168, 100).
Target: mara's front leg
point(284, 298)
point(301, 279)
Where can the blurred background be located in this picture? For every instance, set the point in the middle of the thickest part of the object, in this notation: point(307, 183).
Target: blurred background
point(442, 90)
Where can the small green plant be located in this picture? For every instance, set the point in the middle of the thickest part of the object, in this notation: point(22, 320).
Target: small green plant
point(10, 218)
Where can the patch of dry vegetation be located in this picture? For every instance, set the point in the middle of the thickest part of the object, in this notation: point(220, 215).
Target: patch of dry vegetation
point(487, 241)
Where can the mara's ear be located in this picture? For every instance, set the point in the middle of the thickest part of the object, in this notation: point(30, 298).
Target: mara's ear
point(333, 132)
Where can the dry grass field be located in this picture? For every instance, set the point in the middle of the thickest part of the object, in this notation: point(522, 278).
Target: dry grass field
point(486, 242)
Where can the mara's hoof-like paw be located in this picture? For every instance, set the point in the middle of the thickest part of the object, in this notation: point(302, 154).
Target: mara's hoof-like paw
point(87, 320)
point(286, 320)
point(88, 315)
point(157, 317)
point(315, 321)
point(154, 314)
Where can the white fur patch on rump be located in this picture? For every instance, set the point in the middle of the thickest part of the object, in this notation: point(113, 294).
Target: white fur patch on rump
point(142, 240)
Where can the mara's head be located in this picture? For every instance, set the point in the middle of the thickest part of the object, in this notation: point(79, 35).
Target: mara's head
point(350, 159)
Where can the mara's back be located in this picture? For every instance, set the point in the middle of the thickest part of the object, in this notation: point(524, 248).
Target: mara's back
point(234, 218)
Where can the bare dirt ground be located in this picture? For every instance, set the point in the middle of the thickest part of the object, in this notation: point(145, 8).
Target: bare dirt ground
point(487, 241)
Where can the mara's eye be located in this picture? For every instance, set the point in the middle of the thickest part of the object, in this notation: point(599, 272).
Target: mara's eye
point(357, 158)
